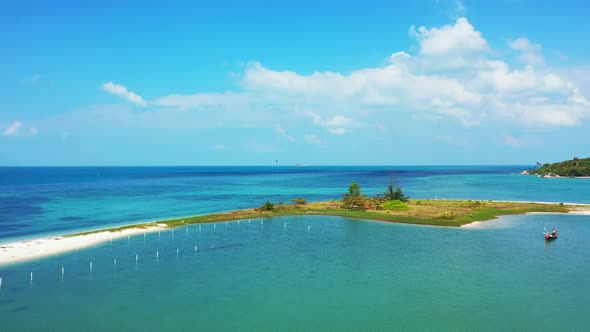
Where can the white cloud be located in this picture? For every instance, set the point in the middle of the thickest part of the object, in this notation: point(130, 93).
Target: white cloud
point(513, 141)
point(530, 52)
point(312, 139)
point(553, 82)
point(524, 45)
point(452, 76)
point(281, 131)
point(15, 129)
point(400, 55)
point(337, 125)
point(121, 91)
point(502, 79)
point(449, 39)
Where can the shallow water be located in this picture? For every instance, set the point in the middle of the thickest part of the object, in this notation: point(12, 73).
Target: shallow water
point(342, 274)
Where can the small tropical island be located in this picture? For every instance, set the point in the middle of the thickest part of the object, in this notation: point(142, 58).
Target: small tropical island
point(393, 206)
point(575, 168)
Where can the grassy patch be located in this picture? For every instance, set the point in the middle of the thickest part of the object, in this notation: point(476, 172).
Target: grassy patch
point(422, 212)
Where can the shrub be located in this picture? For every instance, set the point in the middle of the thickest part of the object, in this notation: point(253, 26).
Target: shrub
point(396, 194)
point(395, 205)
point(355, 202)
point(354, 189)
point(300, 201)
point(268, 206)
point(377, 201)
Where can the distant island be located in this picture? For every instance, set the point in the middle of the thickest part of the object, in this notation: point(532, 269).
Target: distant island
point(575, 168)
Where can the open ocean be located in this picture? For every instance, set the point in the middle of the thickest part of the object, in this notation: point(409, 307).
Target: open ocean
point(293, 273)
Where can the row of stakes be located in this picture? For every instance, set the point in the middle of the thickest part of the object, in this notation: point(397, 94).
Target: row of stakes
point(157, 252)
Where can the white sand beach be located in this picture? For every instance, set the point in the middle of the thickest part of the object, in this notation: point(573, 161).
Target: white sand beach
point(581, 209)
point(27, 250)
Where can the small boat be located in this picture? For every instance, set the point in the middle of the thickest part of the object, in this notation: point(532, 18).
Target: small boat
point(550, 236)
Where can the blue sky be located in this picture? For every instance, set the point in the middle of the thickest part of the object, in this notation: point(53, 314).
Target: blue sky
point(248, 82)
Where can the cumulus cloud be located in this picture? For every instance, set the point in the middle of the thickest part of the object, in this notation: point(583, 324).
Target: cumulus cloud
point(16, 129)
point(121, 91)
point(470, 86)
point(449, 39)
point(530, 52)
point(453, 75)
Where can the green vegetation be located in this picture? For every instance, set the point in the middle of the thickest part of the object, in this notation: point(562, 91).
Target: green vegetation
point(422, 212)
point(354, 190)
point(353, 199)
point(395, 194)
point(570, 168)
point(394, 205)
point(268, 206)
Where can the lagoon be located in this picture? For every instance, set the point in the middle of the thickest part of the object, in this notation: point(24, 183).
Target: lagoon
point(342, 274)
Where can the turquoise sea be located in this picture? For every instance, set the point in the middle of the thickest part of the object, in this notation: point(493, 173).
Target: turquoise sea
point(292, 273)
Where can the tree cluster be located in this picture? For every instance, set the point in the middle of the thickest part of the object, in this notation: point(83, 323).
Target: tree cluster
point(354, 199)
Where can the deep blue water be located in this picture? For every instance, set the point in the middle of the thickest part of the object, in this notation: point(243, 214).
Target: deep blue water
point(37, 201)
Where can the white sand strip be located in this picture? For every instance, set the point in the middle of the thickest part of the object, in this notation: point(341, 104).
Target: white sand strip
point(26, 250)
point(580, 204)
point(583, 210)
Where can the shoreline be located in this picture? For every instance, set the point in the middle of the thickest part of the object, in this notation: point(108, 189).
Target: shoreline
point(482, 224)
point(21, 251)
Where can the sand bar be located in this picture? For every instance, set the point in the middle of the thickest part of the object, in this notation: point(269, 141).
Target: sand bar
point(11, 253)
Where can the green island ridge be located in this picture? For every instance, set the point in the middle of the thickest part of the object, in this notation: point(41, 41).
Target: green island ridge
point(577, 167)
point(453, 213)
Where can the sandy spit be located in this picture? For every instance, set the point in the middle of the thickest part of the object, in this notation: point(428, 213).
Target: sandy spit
point(11, 253)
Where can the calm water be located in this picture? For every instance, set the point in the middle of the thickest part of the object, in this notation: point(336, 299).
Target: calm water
point(342, 274)
point(58, 200)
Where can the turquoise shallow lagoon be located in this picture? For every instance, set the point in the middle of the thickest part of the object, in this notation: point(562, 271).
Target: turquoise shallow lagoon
point(342, 274)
